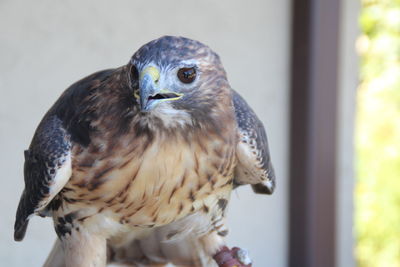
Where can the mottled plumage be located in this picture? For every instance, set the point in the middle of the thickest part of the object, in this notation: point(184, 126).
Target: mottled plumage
point(254, 162)
point(136, 164)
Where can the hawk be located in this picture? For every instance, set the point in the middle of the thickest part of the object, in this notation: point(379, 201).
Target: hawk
point(136, 164)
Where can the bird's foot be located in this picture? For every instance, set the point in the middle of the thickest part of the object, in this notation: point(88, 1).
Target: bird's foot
point(234, 257)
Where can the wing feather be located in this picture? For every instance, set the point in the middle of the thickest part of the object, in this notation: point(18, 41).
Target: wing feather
point(254, 162)
point(47, 169)
point(47, 165)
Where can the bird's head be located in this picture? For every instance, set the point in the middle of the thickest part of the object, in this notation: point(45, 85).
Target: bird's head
point(176, 75)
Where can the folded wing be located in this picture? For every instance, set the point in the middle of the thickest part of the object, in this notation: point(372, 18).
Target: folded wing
point(47, 169)
point(254, 162)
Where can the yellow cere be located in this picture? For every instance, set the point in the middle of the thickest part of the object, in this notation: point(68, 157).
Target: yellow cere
point(152, 71)
point(136, 94)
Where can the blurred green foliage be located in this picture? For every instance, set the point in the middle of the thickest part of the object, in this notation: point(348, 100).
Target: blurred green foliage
point(377, 198)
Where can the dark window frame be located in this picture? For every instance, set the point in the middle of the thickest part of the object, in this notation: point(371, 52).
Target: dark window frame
point(313, 132)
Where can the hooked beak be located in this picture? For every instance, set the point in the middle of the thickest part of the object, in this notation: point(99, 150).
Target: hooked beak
point(150, 93)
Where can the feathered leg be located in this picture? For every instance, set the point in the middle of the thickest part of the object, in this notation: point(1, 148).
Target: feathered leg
point(56, 257)
point(83, 249)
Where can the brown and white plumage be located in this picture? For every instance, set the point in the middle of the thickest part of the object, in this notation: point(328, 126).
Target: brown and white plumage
point(139, 162)
point(254, 162)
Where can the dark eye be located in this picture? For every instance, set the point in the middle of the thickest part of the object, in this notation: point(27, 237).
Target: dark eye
point(187, 75)
point(134, 74)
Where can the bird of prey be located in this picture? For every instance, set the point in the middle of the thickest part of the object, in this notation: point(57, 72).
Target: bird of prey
point(136, 164)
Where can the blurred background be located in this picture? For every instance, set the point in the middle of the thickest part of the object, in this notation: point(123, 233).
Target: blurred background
point(324, 77)
point(377, 194)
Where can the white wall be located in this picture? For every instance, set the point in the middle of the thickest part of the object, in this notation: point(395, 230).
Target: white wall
point(47, 45)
